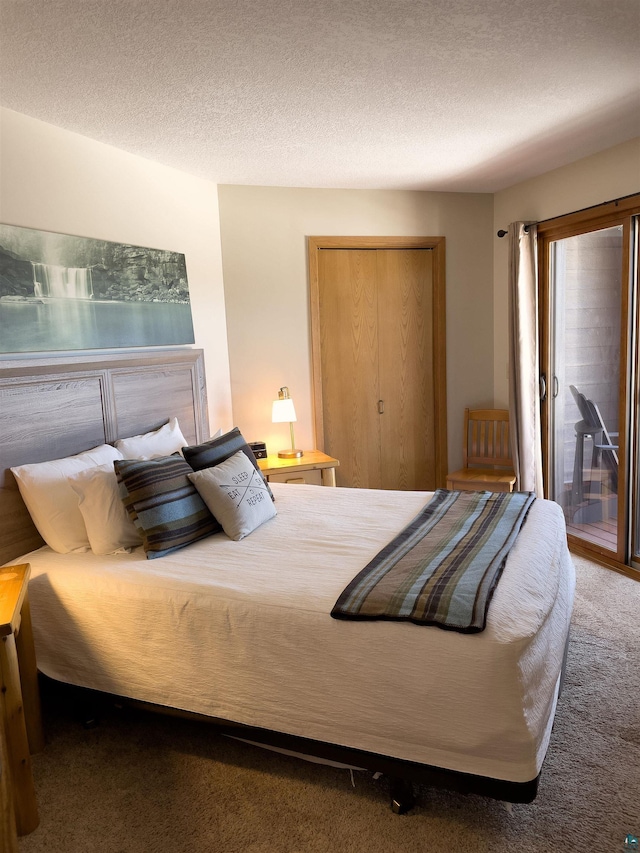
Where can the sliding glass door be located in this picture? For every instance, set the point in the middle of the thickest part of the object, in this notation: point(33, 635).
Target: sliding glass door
point(634, 272)
point(589, 323)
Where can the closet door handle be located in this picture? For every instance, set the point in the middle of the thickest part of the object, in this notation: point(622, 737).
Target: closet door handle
point(381, 407)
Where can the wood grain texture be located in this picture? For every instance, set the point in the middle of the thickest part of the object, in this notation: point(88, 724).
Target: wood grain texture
point(141, 398)
point(307, 478)
point(405, 319)
point(29, 679)
point(19, 758)
point(33, 412)
point(440, 359)
point(487, 432)
point(13, 590)
point(314, 468)
point(481, 480)
point(20, 716)
point(8, 832)
point(318, 247)
point(311, 460)
point(348, 305)
point(376, 364)
point(486, 453)
point(60, 406)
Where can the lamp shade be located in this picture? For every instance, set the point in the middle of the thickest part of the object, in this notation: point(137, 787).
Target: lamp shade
point(283, 411)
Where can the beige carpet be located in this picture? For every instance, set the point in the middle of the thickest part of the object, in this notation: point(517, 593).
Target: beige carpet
point(140, 783)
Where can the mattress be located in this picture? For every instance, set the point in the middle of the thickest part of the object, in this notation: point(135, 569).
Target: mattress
point(242, 631)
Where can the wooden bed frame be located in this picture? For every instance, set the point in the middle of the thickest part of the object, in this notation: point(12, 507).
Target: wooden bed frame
point(58, 406)
point(55, 407)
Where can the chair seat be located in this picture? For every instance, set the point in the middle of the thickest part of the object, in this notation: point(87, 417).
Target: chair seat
point(482, 479)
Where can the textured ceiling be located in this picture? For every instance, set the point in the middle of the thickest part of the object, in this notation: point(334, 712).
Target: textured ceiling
point(466, 95)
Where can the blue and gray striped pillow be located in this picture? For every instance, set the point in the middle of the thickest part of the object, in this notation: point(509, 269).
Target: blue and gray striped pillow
point(163, 503)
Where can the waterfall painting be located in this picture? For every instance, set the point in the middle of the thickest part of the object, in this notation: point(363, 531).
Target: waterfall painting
point(59, 292)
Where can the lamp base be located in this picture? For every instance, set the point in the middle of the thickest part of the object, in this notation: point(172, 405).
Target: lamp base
point(290, 454)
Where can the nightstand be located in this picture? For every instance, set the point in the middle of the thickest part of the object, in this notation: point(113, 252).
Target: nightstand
point(314, 468)
point(20, 720)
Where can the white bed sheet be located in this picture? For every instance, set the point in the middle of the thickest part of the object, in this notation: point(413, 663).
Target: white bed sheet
point(242, 631)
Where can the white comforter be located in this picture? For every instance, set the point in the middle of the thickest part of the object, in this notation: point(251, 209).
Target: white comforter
point(241, 630)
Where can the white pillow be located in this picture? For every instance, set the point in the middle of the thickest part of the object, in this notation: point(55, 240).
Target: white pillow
point(164, 441)
point(109, 528)
point(236, 494)
point(51, 501)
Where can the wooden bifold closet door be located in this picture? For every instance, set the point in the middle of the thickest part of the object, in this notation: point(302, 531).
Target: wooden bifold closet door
point(374, 365)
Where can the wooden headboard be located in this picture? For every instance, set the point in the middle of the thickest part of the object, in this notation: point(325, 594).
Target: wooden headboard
point(58, 406)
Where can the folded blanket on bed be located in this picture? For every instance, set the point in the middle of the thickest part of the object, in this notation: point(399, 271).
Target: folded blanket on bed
point(443, 567)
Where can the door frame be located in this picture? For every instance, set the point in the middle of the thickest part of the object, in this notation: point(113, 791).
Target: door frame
point(621, 211)
point(437, 245)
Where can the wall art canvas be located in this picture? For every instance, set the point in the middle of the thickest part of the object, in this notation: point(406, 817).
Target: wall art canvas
point(59, 292)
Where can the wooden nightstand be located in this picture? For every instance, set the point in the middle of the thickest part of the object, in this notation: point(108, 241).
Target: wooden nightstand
point(314, 468)
point(20, 720)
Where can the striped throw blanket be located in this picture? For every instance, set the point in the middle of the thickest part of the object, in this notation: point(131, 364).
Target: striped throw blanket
point(443, 567)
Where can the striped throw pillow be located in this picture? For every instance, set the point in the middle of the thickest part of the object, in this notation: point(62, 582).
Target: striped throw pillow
point(163, 503)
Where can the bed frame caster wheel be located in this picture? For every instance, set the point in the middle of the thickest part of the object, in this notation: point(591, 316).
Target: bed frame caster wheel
point(402, 796)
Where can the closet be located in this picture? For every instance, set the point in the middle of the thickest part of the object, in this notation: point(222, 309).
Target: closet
point(377, 310)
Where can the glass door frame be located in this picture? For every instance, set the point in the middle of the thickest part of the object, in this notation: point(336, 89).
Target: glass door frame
point(611, 214)
point(634, 331)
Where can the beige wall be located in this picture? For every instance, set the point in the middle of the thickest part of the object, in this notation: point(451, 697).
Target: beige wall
point(605, 176)
point(264, 255)
point(58, 181)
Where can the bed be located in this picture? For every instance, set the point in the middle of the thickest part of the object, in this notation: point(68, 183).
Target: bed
point(240, 633)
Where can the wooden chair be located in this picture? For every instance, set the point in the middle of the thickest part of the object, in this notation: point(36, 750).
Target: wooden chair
point(487, 457)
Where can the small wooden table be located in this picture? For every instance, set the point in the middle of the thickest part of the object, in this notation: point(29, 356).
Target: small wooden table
point(21, 730)
point(314, 468)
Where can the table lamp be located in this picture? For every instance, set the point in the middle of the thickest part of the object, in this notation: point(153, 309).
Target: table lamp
point(283, 412)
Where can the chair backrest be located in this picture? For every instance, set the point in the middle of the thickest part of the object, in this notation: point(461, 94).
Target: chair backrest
point(486, 434)
point(593, 419)
point(585, 407)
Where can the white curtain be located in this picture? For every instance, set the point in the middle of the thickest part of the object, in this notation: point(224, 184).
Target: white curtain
point(524, 358)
